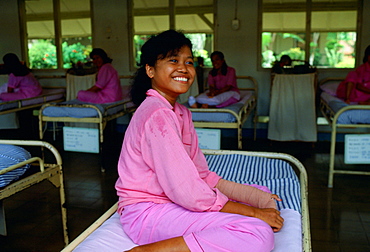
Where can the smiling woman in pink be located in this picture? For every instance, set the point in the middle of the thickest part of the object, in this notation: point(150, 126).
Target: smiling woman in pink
point(107, 87)
point(169, 200)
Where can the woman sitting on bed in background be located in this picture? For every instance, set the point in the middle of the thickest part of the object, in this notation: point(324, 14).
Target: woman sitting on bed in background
point(21, 83)
point(169, 200)
point(223, 90)
point(356, 86)
point(107, 87)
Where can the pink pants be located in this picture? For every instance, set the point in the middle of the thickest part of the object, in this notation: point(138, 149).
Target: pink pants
point(147, 222)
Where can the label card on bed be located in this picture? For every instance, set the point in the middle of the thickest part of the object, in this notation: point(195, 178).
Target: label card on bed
point(209, 138)
point(81, 139)
point(357, 149)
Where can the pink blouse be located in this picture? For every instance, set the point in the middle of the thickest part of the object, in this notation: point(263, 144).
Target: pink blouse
point(161, 162)
point(220, 81)
point(361, 76)
point(108, 82)
point(27, 85)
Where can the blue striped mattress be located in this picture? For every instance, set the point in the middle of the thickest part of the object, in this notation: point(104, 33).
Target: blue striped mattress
point(223, 117)
point(276, 174)
point(12, 155)
point(347, 117)
point(81, 112)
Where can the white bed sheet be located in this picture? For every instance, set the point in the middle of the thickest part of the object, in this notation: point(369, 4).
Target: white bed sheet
point(111, 237)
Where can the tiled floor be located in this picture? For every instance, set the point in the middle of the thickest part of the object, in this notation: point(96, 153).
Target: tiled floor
point(340, 217)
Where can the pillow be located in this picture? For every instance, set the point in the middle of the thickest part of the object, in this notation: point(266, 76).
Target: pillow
point(330, 88)
point(11, 155)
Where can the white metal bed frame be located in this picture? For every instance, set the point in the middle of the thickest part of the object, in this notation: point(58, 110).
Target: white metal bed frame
point(241, 117)
point(332, 119)
point(101, 120)
point(52, 172)
point(298, 167)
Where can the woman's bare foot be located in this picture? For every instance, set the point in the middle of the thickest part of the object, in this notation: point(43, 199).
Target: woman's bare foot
point(176, 244)
point(204, 106)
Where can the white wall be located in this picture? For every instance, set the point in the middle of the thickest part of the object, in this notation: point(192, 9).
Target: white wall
point(9, 32)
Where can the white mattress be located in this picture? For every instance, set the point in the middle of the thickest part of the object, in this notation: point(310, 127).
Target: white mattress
point(111, 237)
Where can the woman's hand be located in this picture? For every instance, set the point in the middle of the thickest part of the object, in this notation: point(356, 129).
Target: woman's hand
point(271, 216)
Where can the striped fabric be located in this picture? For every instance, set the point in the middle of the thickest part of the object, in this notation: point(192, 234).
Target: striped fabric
point(11, 155)
point(276, 174)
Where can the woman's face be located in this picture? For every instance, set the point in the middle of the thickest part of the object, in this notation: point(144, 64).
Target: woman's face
point(173, 75)
point(217, 61)
point(98, 61)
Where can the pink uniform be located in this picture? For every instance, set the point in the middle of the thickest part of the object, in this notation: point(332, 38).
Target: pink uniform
point(219, 82)
point(166, 190)
point(108, 82)
point(361, 76)
point(25, 87)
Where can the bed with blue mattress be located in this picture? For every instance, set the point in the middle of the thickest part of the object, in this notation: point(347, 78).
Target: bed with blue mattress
point(75, 111)
point(16, 175)
point(341, 115)
point(233, 116)
point(282, 173)
point(48, 95)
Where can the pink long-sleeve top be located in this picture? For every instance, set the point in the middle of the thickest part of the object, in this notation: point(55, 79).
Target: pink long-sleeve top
point(27, 85)
point(161, 162)
point(220, 81)
point(108, 82)
point(361, 76)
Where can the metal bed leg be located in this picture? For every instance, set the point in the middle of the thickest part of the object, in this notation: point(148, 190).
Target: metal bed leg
point(332, 156)
point(2, 219)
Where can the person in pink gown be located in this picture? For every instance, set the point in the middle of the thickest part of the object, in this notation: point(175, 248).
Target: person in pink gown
point(107, 88)
point(223, 90)
point(169, 200)
point(21, 83)
point(356, 86)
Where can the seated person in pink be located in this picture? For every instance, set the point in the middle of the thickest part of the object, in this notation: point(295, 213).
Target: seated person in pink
point(223, 90)
point(356, 87)
point(107, 87)
point(21, 83)
point(169, 200)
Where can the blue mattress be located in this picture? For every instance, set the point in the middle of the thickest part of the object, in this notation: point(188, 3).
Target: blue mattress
point(81, 112)
point(357, 116)
point(46, 96)
point(273, 173)
point(12, 155)
point(223, 117)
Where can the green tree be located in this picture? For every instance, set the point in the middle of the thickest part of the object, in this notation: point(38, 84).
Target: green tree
point(42, 54)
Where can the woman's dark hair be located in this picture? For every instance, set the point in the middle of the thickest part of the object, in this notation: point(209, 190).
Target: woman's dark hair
point(100, 52)
point(224, 65)
point(13, 65)
point(161, 46)
point(367, 53)
point(286, 58)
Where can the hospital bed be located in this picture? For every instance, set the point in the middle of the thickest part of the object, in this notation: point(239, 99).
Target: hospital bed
point(49, 94)
point(233, 116)
point(341, 115)
point(75, 111)
point(282, 173)
point(15, 162)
